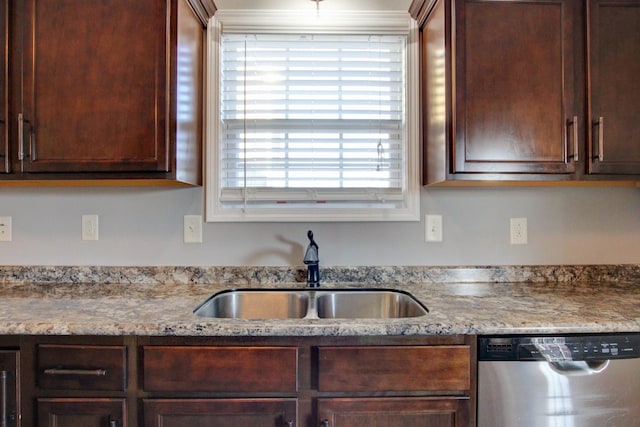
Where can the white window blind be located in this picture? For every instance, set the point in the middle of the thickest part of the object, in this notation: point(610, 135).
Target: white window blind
point(311, 112)
point(312, 123)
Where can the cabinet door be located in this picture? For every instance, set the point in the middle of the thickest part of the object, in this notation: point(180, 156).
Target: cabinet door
point(9, 388)
point(384, 412)
point(220, 412)
point(89, 412)
point(4, 82)
point(94, 85)
point(615, 86)
point(515, 94)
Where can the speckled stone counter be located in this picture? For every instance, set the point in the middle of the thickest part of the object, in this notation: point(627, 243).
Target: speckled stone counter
point(461, 300)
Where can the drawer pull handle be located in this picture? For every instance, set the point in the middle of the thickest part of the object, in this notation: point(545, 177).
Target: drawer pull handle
point(89, 372)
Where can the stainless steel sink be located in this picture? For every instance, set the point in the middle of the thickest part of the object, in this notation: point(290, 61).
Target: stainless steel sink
point(256, 304)
point(306, 303)
point(368, 304)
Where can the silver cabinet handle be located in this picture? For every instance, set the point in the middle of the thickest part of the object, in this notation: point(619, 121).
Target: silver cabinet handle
point(600, 124)
point(574, 122)
point(90, 372)
point(4, 413)
point(20, 136)
point(324, 423)
point(288, 423)
point(21, 142)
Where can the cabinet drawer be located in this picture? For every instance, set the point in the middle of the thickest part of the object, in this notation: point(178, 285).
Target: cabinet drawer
point(80, 367)
point(236, 369)
point(380, 369)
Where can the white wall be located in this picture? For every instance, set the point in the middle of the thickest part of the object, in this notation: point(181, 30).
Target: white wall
point(143, 226)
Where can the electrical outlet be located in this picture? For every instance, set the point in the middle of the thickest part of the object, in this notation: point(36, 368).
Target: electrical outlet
point(5, 228)
point(433, 228)
point(518, 231)
point(89, 227)
point(193, 229)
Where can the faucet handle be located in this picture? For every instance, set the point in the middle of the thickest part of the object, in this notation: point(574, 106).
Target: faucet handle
point(311, 255)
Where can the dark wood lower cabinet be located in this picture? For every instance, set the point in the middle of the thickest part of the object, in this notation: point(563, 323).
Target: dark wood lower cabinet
point(9, 388)
point(220, 412)
point(136, 381)
point(385, 412)
point(82, 412)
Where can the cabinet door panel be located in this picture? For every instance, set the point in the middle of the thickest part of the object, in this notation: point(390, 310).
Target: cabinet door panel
point(95, 83)
point(219, 412)
point(220, 369)
point(615, 86)
point(394, 368)
point(90, 412)
point(10, 386)
point(514, 86)
point(405, 412)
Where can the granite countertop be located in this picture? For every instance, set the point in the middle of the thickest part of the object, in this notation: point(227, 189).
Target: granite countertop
point(588, 303)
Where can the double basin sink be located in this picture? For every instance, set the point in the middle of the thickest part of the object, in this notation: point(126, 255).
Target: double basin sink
point(311, 304)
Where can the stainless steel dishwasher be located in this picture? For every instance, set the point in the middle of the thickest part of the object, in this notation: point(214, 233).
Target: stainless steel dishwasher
point(559, 381)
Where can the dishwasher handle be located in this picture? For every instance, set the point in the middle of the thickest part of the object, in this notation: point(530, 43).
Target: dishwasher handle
point(579, 368)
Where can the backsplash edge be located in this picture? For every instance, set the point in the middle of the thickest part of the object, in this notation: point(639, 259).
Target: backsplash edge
point(265, 275)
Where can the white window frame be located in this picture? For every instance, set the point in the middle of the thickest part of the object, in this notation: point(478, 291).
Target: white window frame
point(295, 22)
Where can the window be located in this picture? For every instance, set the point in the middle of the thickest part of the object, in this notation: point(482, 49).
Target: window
point(312, 125)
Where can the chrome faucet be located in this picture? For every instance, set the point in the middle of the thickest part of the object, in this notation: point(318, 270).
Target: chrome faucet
point(312, 261)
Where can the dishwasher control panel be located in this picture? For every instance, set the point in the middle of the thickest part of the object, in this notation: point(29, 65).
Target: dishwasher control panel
point(559, 348)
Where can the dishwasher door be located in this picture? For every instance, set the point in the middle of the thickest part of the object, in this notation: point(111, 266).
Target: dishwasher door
point(593, 392)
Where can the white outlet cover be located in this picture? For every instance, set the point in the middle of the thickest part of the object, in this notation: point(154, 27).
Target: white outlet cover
point(518, 231)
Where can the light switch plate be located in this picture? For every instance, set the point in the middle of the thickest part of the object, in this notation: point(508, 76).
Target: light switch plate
point(89, 227)
point(5, 229)
point(433, 228)
point(193, 229)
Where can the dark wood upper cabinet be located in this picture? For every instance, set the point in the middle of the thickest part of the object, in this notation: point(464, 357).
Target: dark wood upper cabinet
point(504, 103)
point(536, 90)
point(614, 70)
point(94, 84)
point(108, 89)
point(514, 108)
